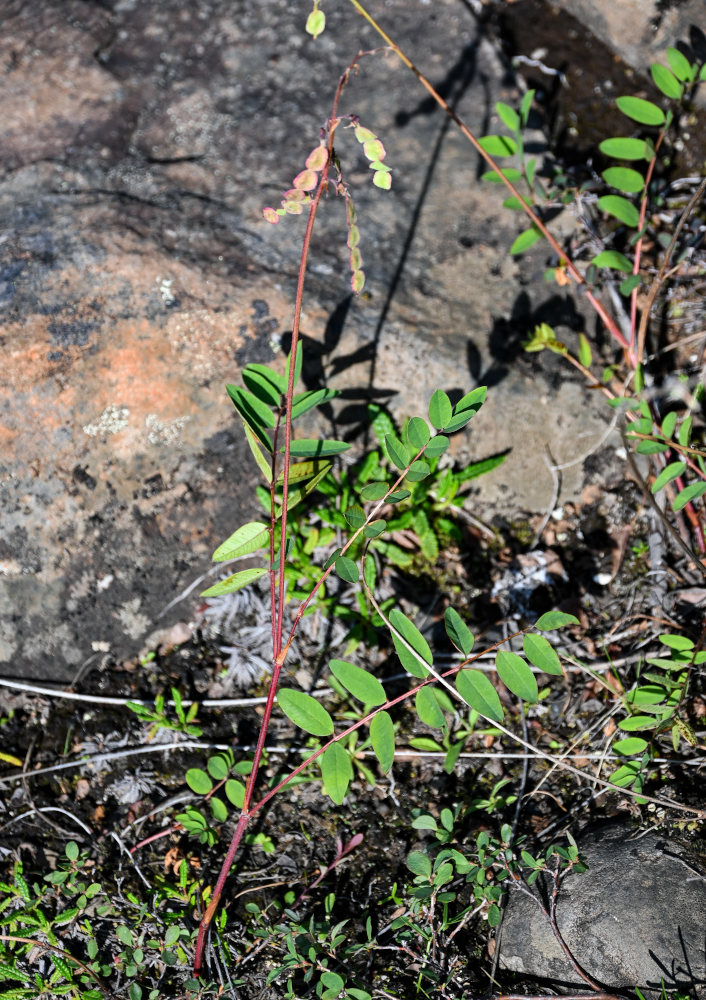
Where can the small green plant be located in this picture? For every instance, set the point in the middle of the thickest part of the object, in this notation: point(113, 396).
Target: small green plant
point(655, 709)
point(157, 717)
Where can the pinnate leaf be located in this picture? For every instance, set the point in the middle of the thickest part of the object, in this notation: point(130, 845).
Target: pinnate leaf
point(305, 712)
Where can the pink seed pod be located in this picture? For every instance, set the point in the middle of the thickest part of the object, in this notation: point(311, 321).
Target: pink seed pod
point(271, 215)
point(317, 158)
point(306, 180)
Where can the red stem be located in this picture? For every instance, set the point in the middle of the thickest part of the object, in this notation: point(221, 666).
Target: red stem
point(279, 653)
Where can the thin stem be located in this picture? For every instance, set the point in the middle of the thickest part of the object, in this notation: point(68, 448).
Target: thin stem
point(527, 209)
point(280, 654)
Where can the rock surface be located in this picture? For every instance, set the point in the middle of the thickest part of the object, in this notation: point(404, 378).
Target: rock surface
point(137, 276)
point(637, 916)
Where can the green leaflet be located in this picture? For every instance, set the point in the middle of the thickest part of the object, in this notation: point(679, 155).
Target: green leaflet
point(457, 631)
point(347, 569)
point(336, 772)
point(299, 472)
point(429, 710)
point(689, 493)
point(629, 746)
point(308, 400)
point(312, 448)
point(382, 736)
point(305, 712)
point(516, 675)
point(401, 624)
point(477, 691)
point(254, 412)
point(437, 446)
point(508, 116)
point(418, 471)
point(624, 179)
point(498, 145)
point(248, 538)
point(641, 111)
point(623, 148)
point(396, 451)
point(555, 619)
point(359, 682)
point(417, 433)
point(262, 385)
point(440, 409)
point(611, 258)
point(619, 208)
point(680, 65)
point(526, 240)
point(262, 462)
point(235, 582)
point(374, 491)
point(666, 82)
point(542, 654)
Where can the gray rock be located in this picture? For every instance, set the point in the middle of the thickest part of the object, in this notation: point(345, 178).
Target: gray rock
point(637, 916)
point(137, 276)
